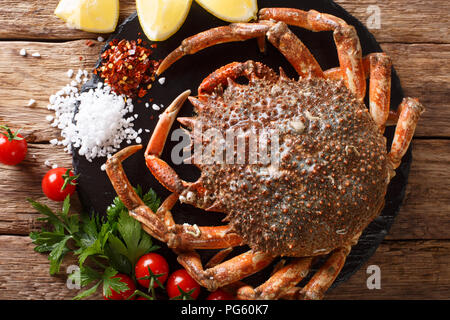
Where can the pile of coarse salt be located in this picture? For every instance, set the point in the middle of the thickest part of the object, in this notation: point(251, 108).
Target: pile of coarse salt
point(101, 123)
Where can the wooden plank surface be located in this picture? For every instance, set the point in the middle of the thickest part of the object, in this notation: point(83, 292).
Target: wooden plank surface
point(413, 21)
point(419, 218)
point(423, 70)
point(413, 259)
point(409, 270)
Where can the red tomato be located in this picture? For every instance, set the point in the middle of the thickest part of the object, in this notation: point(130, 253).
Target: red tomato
point(125, 294)
point(182, 279)
point(13, 147)
point(220, 295)
point(57, 184)
point(156, 263)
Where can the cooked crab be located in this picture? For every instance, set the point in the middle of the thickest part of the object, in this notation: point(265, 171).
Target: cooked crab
point(333, 170)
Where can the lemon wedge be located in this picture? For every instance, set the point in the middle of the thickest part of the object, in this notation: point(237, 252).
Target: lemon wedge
point(99, 16)
point(231, 10)
point(162, 18)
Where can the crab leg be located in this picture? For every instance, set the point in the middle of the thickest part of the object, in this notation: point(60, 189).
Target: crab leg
point(294, 50)
point(380, 88)
point(234, 70)
point(333, 74)
point(409, 113)
point(325, 276)
point(279, 283)
point(211, 37)
point(129, 197)
point(159, 168)
point(347, 41)
point(226, 272)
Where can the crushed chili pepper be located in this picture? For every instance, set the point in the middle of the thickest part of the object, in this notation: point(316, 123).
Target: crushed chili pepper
point(127, 68)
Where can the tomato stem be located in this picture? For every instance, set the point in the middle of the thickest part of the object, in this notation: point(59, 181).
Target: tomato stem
point(68, 179)
point(140, 293)
point(153, 278)
point(9, 134)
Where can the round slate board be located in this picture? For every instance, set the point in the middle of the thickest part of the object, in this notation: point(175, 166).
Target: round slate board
point(95, 190)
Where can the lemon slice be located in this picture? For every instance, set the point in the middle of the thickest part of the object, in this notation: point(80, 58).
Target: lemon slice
point(231, 10)
point(162, 18)
point(98, 16)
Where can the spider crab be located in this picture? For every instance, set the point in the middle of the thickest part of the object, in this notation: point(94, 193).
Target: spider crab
point(334, 167)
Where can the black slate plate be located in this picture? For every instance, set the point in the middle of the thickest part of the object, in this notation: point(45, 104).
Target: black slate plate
point(95, 190)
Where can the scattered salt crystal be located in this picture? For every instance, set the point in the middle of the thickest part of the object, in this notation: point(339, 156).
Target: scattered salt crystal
point(162, 80)
point(31, 102)
point(155, 107)
point(70, 73)
point(49, 118)
point(47, 163)
point(103, 167)
point(147, 105)
point(54, 166)
point(147, 130)
point(36, 55)
point(23, 52)
point(100, 39)
point(101, 123)
point(138, 140)
point(54, 141)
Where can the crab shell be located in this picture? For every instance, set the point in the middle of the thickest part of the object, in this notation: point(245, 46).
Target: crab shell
point(331, 177)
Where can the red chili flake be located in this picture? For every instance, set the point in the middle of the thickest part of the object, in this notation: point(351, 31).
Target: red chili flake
point(127, 68)
point(81, 58)
point(90, 43)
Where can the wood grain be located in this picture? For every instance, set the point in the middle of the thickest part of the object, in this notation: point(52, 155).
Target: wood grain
point(419, 218)
point(34, 283)
point(25, 78)
point(414, 21)
point(413, 259)
point(409, 269)
point(38, 78)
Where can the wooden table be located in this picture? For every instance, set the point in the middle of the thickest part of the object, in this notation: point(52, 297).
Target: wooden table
point(414, 258)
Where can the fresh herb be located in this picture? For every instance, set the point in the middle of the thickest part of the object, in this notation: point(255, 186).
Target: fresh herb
point(104, 245)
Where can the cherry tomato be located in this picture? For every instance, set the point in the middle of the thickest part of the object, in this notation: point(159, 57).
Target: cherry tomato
point(182, 279)
point(157, 264)
point(13, 147)
point(125, 294)
point(220, 295)
point(58, 183)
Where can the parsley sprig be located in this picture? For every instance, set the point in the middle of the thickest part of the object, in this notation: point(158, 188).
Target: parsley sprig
point(103, 245)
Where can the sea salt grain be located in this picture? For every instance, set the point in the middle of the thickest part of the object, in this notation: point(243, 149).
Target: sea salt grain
point(70, 73)
point(162, 80)
point(155, 107)
point(31, 102)
point(101, 124)
point(23, 52)
point(36, 55)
